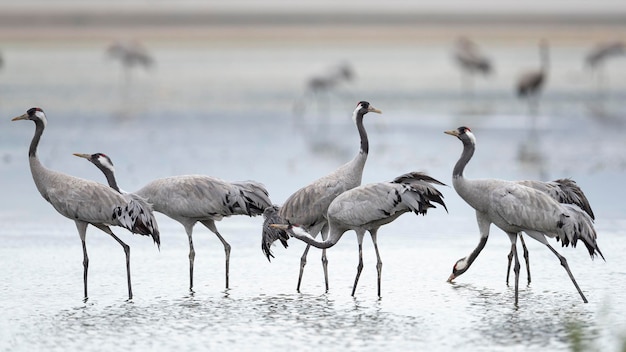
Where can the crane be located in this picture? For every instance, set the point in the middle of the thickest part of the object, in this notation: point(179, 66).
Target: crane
point(88, 202)
point(368, 207)
point(307, 206)
point(530, 83)
point(514, 207)
point(189, 199)
point(471, 60)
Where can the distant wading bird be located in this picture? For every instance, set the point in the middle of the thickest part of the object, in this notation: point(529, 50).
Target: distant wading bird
point(307, 207)
point(88, 202)
point(194, 198)
point(530, 83)
point(471, 61)
point(131, 54)
point(515, 207)
point(368, 207)
point(598, 55)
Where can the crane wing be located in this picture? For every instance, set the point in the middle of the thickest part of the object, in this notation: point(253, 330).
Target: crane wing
point(525, 207)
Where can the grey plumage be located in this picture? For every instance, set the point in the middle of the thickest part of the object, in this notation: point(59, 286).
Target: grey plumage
point(564, 191)
point(86, 202)
point(307, 207)
point(368, 207)
point(271, 234)
point(137, 206)
point(190, 199)
point(515, 207)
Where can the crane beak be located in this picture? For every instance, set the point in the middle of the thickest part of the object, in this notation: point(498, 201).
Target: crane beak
point(280, 226)
point(452, 277)
point(373, 109)
point(23, 117)
point(452, 133)
point(86, 156)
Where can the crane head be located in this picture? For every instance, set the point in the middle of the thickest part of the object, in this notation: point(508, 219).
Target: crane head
point(33, 114)
point(101, 160)
point(463, 133)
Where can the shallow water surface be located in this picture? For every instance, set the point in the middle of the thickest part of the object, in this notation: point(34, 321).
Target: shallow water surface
point(227, 112)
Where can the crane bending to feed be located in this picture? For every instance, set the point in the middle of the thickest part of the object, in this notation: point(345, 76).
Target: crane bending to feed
point(307, 207)
point(88, 202)
point(195, 198)
point(368, 207)
point(514, 207)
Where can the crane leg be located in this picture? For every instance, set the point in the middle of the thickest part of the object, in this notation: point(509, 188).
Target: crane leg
point(525, 256)
point(379, 263)
point(302, 264)
point(192, 254)
point(325, 268)
point(210, 224)
point(359, 268)
point(508, 268)
point(566, 266)
point(516, 266)
point(126, 248)
point(82, 231)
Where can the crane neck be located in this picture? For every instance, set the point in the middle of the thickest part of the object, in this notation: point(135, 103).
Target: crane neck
point(466, 155)
point(39, 127)
point(110, 176)
point(472, 256)
point(362, 133)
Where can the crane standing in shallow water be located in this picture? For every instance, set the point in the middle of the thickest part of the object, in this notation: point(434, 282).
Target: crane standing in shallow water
point(530, 83)
point(88, 202)
point(307, 207)
point(368, 207)
point(195, 198)
point(471, 61)
point(514, 208)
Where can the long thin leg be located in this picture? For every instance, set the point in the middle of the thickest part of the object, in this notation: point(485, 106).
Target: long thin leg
point(359, 268)
point(302, 264)
point(564, 264)
point(516, 266)
point(314, 231)
point(508, 268)
point(525, 256)
point(325, 268)
point(324, 258)
point(210, 224)
point(192, 253)
point(82, 231)
point(379, 263)
point(126, 248)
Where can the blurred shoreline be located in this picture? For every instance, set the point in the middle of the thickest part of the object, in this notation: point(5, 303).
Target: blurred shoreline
point(89, 23)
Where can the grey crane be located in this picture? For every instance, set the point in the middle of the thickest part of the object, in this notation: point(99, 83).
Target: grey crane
point(320, 88)
point(368, 207)
point(130, 54)
point(602, 51)
point(190, 199)
point(597, 57)
point(88, 202)
point(471, 61)
point(563, 190)
point(307, 206)
point(530, 83)
point(515, 207)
